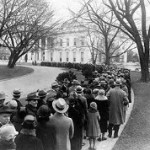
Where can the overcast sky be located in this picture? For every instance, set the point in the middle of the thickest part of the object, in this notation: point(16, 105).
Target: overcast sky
point(61, 7)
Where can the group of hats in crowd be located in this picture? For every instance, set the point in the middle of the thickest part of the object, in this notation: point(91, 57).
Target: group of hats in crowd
point(58, 105)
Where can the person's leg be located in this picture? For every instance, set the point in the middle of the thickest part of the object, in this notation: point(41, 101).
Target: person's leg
point(110, 126)
point(90, 142)
point(94, 139)
point(116, 129)
point(103, 136)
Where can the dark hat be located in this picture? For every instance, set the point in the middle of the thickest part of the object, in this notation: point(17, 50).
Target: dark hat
point(29, 122)
point(42, 93)
point(7, 110)
point(32, 96)
point(43, 111)
point(16, 92)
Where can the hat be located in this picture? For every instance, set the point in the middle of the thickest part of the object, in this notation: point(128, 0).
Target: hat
point(75, 82)
point(43, 111)
point(55, 85)
point(8, 107)
point(16, 92)
point(101, 92)
point(118, 82)
point(2, 95)
point(95, 91)
point(12, 104)
point(66, 80)
point(93, 105)
point(32, 96)
point(42, 93)
point(7, 132)
point(79, 89)
point(29, 122)
point(60, 105)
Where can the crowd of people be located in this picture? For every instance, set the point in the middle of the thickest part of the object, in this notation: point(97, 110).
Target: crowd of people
point(70, 111)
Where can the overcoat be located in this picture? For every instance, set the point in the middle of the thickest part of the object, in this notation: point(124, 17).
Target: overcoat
point(63, 130)
point(116, 96)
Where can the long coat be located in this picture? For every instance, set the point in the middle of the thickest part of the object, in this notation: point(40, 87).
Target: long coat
point(44, 133)
point(116, 97)
point(63, 131)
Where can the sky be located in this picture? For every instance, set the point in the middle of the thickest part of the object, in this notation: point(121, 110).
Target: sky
point(61, 7)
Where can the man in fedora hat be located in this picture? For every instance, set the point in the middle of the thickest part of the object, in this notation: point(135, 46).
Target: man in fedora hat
point(42, 95)
point(16, 97)
point(116, 97)
point(31, 107)
point(61, 125)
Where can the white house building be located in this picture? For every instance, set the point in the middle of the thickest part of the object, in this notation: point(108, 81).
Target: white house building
point(71, 44)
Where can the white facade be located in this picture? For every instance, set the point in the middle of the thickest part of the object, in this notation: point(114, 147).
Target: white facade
point(70, 45)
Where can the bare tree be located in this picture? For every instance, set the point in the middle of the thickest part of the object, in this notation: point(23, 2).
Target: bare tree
point(29, 23)
point(138, 30)
point(102, 22)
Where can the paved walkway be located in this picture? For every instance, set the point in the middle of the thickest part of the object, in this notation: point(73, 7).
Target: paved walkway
point(41, 78)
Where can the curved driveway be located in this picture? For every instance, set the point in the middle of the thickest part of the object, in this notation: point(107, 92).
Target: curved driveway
point(41, 78)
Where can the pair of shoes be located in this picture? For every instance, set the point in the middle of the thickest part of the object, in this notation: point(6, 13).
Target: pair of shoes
point(104, 138)
point(99, 139)
point(115, 136)
point(109, 135)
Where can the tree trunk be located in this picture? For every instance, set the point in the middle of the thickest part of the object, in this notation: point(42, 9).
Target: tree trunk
point(12, 61)
point(144, 71)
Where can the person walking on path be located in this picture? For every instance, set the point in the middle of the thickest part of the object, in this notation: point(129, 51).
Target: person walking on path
point(62, 126)
point(93, 129)
point(102, 106)
point(117, 101)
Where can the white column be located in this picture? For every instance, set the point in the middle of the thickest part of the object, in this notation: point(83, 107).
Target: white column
point(40, 51)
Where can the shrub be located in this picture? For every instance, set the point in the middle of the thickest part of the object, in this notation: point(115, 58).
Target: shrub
point(69, 75)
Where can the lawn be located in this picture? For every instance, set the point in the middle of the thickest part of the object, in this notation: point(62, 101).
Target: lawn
point(7, 73)
point(136, 133)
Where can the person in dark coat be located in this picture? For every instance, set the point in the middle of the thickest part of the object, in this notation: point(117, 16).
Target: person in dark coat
point(43, 129)
point(16, 97)
point(26, 139)
point(42, 95)
point(31, 107)
point(75, 112)
point(103, 108)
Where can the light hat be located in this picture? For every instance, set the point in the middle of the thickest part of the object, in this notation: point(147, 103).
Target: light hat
point(7, 132)
point(60, 105)
point(93, 105)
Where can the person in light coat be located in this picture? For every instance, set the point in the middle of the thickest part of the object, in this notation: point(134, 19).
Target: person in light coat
point(117, 101)
point(61, 125)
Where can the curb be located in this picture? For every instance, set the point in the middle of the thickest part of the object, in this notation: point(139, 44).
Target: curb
point(110, 142)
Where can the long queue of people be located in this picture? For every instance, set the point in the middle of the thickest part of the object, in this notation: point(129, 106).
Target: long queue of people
point(70, 111)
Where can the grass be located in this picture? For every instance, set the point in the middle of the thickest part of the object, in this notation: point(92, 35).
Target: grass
point(7, 73)
point(136, 133)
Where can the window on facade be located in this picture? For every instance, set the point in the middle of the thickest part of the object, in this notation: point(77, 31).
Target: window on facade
point(60, 56)
point(82, 40)
point(51, 56)
point(67, 56)
point(37, 55)
point(82, 56)
point(100, 57)
point(74, 56)
point(67, 42)
point(43, 55)
point(75, 41)
point(61, 42)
